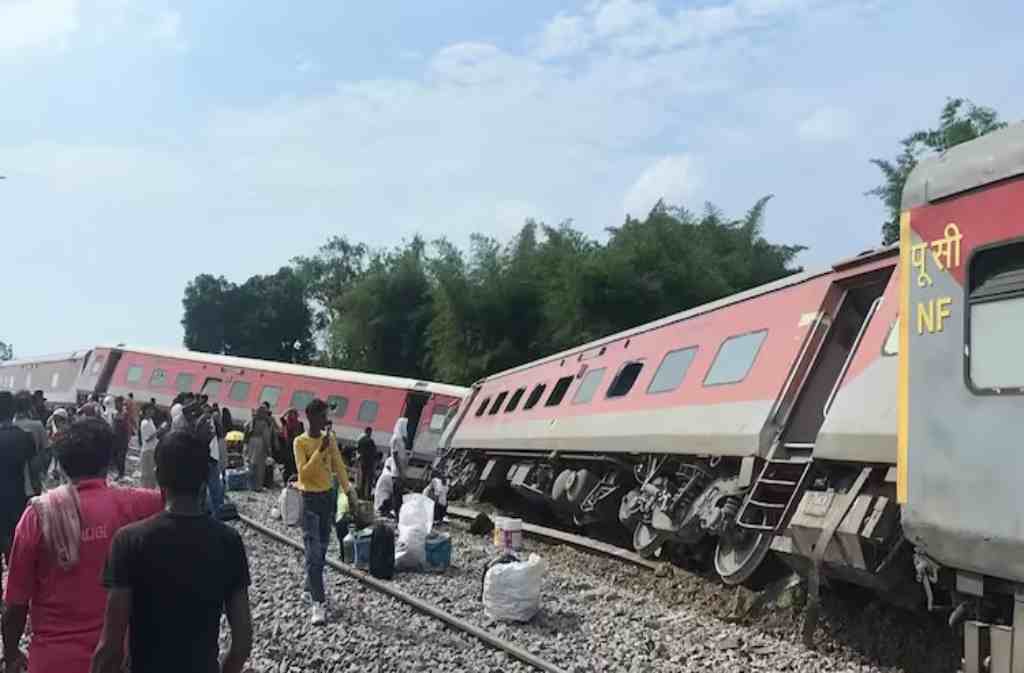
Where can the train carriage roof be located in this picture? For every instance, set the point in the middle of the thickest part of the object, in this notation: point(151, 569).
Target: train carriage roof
point(346, 376)
point(782, 283)
point(992, 157)
point(43, 359)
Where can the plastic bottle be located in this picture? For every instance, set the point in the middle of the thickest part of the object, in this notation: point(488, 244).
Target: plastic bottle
point(348, 548)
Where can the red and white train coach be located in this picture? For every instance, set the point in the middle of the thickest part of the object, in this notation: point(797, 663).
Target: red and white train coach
point(765, 420)
point(358, 400)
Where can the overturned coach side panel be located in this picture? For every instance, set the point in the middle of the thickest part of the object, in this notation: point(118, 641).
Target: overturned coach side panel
point(704, 381)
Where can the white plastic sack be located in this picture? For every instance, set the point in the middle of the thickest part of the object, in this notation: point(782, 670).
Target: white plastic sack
point(290, 504)
point(415, 520)
point(512, 590)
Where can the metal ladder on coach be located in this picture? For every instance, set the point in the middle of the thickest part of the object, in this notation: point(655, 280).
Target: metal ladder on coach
point(778, 487)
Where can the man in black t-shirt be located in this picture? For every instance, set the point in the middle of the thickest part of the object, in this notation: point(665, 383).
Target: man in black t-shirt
point(171, 577)
point(17, 447)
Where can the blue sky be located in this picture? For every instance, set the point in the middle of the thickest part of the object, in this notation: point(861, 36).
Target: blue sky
point(147, 142)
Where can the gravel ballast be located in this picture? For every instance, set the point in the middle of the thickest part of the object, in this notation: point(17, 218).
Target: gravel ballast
point(597, 614)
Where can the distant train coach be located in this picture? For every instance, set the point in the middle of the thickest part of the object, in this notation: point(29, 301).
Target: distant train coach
point(357, 400)
point(862, 422)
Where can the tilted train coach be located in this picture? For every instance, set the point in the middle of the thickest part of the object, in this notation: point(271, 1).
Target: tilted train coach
point(863, 422)
point(357, 400)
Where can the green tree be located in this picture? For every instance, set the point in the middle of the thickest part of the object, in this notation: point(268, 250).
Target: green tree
point(380, 318)
point(327, 275)
point(960, 121)
point(209, 310)
point(265, 317)
point(6, 352)
point(273, 320)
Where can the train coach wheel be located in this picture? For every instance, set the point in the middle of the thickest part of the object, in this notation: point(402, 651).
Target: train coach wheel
point(646, 540)
point(580, 485)
point(630, 509)
point(740, 557)
point(560, 487)
point(465, 476)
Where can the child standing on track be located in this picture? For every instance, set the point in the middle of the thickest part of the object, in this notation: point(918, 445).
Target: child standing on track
point(318, 461)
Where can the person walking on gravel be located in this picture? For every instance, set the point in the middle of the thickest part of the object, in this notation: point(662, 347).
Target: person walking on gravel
point(171, 577)
point(59, 549)
point(366, 449)
point(259, 442)
point(318, 461)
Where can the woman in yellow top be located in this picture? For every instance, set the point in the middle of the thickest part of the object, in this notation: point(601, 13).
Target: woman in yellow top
point(318, 461)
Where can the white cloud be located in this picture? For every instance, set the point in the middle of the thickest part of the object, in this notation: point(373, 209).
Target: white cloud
point(826, 124)
point(37, 23)
point(673, 178)
point(641, 26)
point(564, 35)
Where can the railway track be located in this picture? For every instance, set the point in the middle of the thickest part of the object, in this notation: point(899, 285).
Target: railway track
point(421, 606)
point(562, 537)
point(605, 612)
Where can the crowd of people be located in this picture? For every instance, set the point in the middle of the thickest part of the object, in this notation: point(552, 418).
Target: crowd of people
point(93, 566)
point(96, 566)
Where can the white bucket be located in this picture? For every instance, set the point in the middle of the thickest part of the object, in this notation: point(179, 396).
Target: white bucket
point(508, 533)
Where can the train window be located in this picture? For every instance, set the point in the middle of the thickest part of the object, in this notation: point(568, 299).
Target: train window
point(588, 386)
point(438, 417)
point(55, 380)
point(368, 411)
point(300, 398)
point(892, 342)
point(338, 405)
point(270, 395)
point(97, 365)
point(239, 391)
point(184, 382)
point(28, 380)
point(534, 397)
point(624, 380)
point(995, 318)
point(498, 401)
point(735, 358)
point(483, 406)
point(514, 400)
point(134, 374)
point(158, 378)
point(211, 388)
point(672, 370)
point(559, 391)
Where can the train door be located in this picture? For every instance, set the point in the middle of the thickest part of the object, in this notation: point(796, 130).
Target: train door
point(766, 511)
point(414, 405)
point(419, 461)
point(861, 298)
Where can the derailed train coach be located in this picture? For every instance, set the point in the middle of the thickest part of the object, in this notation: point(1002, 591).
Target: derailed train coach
point(757, 424)
point(961, 389)
point(357, 400)
point(863, 422)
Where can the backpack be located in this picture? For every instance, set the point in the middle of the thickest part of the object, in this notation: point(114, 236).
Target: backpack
point(382, 552)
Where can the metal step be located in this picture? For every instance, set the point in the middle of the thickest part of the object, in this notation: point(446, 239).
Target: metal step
point(767, 505)
point(777, 482)
point(777, 488)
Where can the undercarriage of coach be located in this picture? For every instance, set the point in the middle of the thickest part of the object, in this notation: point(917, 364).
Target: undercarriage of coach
point(683, 504)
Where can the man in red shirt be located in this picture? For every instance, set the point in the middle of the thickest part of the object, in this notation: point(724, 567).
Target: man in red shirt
point(60, 547)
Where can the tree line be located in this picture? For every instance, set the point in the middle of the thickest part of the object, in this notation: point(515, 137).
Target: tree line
point(432, 310)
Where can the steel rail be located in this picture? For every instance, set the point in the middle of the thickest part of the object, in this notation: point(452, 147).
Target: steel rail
point(585, 543)
point(415, 603)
